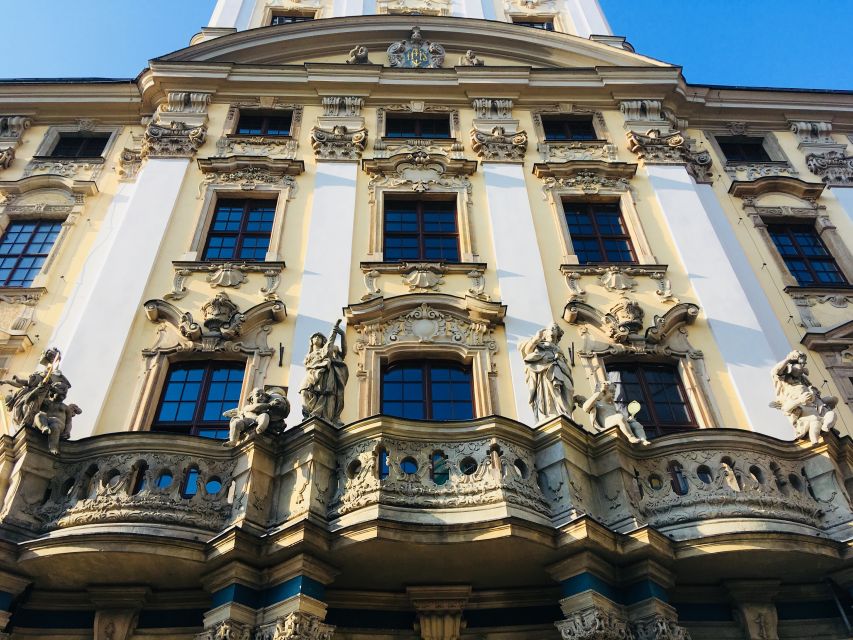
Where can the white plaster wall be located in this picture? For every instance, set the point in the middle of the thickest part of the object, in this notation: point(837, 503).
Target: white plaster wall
point(725, 302)
point(588, 18)
point(845, 197)
point(521, 278)
point(228, 13)
point(473, 9)
point(328, 259)
point(93, 329)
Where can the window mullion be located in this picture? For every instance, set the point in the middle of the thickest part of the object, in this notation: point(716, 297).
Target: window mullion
point(427, 378)
point(203, 391)
point(419, 208)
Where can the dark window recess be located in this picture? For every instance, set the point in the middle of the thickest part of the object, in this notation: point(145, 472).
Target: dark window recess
point(559, 128)
point(23, 249)
point(286, 18)
point(240, 230)
point(420, 230)
point(427, 390)
point(423, 126)
point(598, 232)
point(545, 25)
point(805, 255)
point(80, 145)
point(743, 149)
point(195, 396)
point(658, 389)
point(258, 124)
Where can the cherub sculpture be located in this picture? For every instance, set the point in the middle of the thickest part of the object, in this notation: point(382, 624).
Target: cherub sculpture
point(810, 413)
point(263, 410)
point(358, 55)
point(605, 414)
point(470, 59)
point(39, 402)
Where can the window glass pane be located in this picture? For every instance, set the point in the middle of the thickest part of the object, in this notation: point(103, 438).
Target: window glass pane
point(24, 246)
point(250, 125)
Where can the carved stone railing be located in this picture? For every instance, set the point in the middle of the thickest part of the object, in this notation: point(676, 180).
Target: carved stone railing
point(137, 477)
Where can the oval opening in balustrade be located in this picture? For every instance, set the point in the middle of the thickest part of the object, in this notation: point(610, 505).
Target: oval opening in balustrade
point(468, 466)
point(757, 474)
point(521, 468)
point(409, 466)
point(89, 488)
point(353, 469)
point(795, 481)
point(655, 482)
point(440, 471)
point(704, 474)
point(190, 487)
point(677, 478)
point(48, 492)
point(382, 469)
point(140, 475)
point(113, 478)
point(164, 480)
point(68, 487)
point(213, 486)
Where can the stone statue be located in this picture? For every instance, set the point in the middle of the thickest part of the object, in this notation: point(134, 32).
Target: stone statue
point(548, 374)
point(358, 55)
point(605, 414)
point(470, 59)
point(39, 402)
point(800, 400)
point(326, 375)
point(263, 410)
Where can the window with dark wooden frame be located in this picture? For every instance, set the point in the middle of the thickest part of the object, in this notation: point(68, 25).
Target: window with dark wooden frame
point(240, 230)
point(545, 25)
point(195, 396)
point(80, 145)
point(290, 18)
point(598, 232)
point(23, 249)
point(420, 230)
point(273, 125)
point(427, 390)
point(660, 392)
point(561, 128)
point(423, 125)
point(743, 149)
point(805, 255)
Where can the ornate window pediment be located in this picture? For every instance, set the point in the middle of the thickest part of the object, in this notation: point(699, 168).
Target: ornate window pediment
point(431, 325)
point(385, 147)
point(835, 347)
point(276, 147)
point(83, 167)
point(554, 151)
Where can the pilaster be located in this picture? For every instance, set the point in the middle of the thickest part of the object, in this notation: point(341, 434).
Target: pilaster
point(439, 610)
point(754, 607)
point(117, 610)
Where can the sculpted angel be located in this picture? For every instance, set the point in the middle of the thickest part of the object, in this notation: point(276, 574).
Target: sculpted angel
point(605, 414)
point(262, 410)
point(326, 376)
point(548, 375)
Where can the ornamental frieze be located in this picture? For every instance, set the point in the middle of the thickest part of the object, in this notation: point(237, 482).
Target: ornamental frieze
point(833, 167)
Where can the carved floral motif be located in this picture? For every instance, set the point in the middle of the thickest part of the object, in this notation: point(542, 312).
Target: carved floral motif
point(338, 143)
point(594, 623)
point(175, 140)
point(499, 145)
point(654, 147)
point(833, 167)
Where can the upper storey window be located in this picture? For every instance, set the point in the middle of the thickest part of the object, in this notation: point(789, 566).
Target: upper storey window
point(743, 149)
point(195, 396)
point(544, 24)
point(262, 124)
point(420, 126)
point(290, 18)
point(24, 248)
point(420, 230)
point(427, 390)
point(80, 145)
point(805, 255)
point(598, 232)
point(560, 128)
point(240, 230)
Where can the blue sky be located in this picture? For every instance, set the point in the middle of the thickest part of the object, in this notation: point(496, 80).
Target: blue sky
point(775, 43)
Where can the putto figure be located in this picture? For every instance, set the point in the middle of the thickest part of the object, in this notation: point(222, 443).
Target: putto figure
point(470, 59)
point(263, 410)
point(548, 375)
point(326, 376)
point(605, 414)
point(39, 402)
point(358, 55)
point(810, 413)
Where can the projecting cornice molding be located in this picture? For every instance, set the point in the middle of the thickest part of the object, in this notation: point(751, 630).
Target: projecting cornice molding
point(752, 189)
point(606, 170)
point(275, 168)
point(79, 188)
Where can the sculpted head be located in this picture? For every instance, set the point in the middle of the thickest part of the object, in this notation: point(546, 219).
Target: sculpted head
point(318, 340)
point(554, 333)
point(608, 392)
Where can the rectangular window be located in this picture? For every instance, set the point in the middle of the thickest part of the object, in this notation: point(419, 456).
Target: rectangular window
point(80, 145)
point(545, 25)
point(560, 128)
point(23, 249)
point(420, 230)
point(240, 230)
point(290, 18)
point(743, 149)
point(277, 124)
point(421, 126)
point(805, 255)
point(598, 232)
point(427, 390)
point(195, 396)
point(658, 389)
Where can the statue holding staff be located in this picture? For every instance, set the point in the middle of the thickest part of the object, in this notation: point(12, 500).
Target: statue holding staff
point(326, 375)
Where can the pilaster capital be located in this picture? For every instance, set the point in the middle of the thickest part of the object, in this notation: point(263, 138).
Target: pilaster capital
point(440, 610)
point(499, 145)
point(595, 623)
point(660, 627)
point(302, 626)
point(655, 147)
point(175, 139)
point(226, 630)
point(339, 142)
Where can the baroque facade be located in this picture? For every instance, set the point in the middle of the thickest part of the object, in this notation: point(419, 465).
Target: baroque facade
point(416, 319)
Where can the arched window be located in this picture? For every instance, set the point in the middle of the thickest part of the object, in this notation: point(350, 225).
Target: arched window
point(660, 392)
point(427, 390)
point(195, 396)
